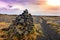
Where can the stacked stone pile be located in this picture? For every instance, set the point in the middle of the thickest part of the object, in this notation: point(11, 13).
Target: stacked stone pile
point(22, 25)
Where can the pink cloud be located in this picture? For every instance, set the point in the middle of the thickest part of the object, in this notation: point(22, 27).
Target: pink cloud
point(3, 4)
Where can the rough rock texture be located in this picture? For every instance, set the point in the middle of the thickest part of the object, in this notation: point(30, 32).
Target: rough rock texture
point(22, 25)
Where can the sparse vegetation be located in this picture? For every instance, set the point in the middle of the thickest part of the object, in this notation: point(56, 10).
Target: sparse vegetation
point(37, 28)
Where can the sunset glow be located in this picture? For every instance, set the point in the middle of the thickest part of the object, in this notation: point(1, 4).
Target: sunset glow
point(53, 2)
point(35, 7)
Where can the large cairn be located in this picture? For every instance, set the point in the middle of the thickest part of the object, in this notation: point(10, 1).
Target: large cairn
point(22, 25)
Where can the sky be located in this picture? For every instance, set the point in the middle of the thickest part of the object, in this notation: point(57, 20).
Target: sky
point(35, 7)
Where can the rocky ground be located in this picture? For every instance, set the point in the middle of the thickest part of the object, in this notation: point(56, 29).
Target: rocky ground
point(50, 32)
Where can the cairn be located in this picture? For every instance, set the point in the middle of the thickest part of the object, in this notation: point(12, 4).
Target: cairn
point(22, 25)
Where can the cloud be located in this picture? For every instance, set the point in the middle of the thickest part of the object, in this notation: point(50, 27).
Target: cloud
point(17, 6)
point(35, 7)
point(3, 4)
point(20, 1)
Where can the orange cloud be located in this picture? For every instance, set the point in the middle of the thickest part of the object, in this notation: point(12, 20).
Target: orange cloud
point(48, 8)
